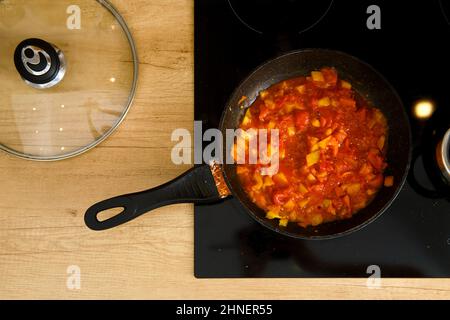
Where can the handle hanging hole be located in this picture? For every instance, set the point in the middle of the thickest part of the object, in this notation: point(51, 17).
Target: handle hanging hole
point(109, 213)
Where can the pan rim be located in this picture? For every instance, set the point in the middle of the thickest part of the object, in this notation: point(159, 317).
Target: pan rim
point(388, 203)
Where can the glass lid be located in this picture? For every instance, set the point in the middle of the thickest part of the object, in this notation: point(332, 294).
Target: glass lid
point(68, 73)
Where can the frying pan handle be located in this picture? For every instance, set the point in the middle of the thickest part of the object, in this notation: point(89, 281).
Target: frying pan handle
point(197, 185)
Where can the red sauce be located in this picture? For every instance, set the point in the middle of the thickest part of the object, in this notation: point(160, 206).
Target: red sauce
point(331, 151)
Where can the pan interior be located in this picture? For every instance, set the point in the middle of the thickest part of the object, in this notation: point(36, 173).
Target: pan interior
point(369, 84)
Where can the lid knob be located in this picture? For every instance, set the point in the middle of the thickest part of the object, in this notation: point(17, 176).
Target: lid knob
point(40, 64)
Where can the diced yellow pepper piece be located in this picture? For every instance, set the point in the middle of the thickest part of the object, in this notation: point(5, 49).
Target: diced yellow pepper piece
point(302, 188)
point(259, 182)
point(352, 189)
point(301, 89)
point(247, 118)
point(264, 93)
point(322, 174)
point(289, 107)
point(311, 178)
point(316, 123)
point(268, 182)
point(317, 76)
point(289, 205)
point(326, 203)
point(272, 215)
point(324, 102)
point(378, 115)
point(291, 131)
point(346, 85)
point(313, 140)
point(283, 222)
point(324, 143)
point(303, 203)
point(312, 158)
point(280, 178)
point(316, 219)
point(331, 210)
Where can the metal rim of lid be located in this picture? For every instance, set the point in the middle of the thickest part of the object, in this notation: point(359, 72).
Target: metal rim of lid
point(131, 97)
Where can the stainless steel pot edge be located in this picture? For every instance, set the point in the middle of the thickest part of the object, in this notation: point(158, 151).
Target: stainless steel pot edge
point(442, 153)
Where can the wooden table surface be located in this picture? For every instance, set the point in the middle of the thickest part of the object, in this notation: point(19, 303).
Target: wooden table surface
point(42, 231)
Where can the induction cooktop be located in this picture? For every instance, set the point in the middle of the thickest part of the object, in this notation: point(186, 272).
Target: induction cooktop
point(406, 42)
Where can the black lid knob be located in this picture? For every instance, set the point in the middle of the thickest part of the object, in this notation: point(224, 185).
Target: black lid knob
point(39, 63)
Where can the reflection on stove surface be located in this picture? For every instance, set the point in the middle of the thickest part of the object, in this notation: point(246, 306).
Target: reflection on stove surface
point(445, 6)
point(260, 248)
point(271, 16)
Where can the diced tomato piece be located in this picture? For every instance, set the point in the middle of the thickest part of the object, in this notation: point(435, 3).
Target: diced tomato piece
point(340, 136)
point(347, 143)
point(260, 200)
point(375, 160)
point(318, 188)
point(280, 197)
point(347, 202)
point(326, 166)
point(301, 120)
point(286, 122)
point(376, 182)
point(263, 113)
point(339, 191)
point(330, 76)
point(365, 169)
point(347, 102)
point(362, 114)
point(327, 117)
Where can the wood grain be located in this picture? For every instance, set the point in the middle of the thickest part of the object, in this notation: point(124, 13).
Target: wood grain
point(42, 204)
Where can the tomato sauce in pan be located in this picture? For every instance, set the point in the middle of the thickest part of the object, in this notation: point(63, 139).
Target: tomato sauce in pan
point(331, 151)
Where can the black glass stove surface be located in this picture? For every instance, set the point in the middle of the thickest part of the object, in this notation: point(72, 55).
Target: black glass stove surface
point(412, 238)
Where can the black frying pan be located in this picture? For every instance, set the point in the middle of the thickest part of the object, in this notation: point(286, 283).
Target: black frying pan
point(198, 184)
